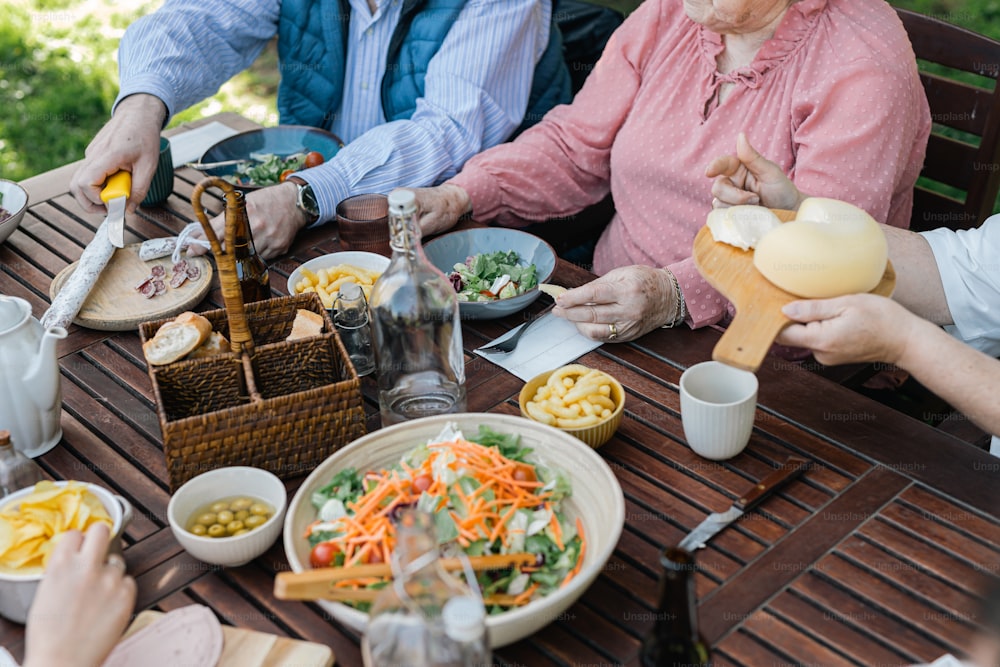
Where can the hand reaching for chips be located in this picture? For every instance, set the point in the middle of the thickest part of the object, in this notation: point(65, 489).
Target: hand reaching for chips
point(31, 526)
point(574, 396)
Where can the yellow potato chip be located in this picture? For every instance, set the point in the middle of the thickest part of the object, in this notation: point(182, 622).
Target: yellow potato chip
point(31, 526)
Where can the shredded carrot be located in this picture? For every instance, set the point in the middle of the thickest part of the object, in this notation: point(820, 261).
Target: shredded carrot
point(556, 530)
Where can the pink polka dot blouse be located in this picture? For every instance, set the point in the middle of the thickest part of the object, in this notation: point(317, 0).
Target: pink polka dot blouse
point(833, 97)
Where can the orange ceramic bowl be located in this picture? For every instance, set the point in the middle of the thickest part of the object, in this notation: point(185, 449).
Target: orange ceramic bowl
point(594, 435)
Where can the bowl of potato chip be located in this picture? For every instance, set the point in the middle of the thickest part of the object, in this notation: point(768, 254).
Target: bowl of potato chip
point(324, 275)
point(31, 522)
point(585, 402)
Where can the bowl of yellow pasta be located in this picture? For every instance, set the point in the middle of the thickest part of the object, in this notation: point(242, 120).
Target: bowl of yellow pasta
point(324, 275)
point(584, 402)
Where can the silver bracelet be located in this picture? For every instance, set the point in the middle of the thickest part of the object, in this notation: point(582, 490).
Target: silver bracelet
point(680, 307)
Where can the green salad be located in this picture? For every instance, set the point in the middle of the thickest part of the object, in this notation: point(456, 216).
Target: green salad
point(490, 276)
point(271, 169)
point(486, 496)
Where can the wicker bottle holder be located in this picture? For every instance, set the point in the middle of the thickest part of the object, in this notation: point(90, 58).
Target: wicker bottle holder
point(270, 403)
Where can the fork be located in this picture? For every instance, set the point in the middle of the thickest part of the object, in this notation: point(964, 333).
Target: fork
point(507, 345)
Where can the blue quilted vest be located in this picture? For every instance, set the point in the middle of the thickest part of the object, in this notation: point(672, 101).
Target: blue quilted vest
point(312, 48)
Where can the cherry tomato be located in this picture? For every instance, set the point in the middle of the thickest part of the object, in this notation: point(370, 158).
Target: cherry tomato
point(322, 554)
point(374, 556)
point(313, 159)
point(524, 474)
point(285, 174)
point(422, 482)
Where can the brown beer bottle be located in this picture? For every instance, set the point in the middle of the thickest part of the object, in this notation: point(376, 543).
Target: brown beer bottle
point(674, 640)
point(250, 268)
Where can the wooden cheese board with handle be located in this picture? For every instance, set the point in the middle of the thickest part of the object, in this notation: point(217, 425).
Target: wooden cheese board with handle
point(249, 648)
point(114, 303)
point(758, 301)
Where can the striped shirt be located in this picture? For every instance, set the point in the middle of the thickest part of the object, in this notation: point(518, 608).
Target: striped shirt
point(475, 91)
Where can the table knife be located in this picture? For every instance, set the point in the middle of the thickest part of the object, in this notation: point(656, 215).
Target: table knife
point(114, 194)
point(716, 521)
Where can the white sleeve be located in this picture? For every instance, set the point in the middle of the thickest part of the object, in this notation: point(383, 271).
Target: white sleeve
point(969, 263)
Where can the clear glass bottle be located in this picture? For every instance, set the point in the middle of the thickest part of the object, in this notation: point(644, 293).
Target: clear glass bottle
point(17, 471)
point(416, 327)
point(427, 617)
point(250, 268)
point(674, 639)
point(351, 319)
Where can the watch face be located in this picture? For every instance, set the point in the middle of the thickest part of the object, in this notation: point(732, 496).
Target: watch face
point(307, 200)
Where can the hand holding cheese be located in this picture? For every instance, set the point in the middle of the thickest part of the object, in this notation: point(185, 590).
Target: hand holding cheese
point(832, 248)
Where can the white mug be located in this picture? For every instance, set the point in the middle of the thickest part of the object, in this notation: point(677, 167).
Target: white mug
point(718, 403)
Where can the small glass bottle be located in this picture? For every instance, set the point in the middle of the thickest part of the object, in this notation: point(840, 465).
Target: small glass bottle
point(416, 327)
point(674, 639)
point(427, 617)
point(17, 471)
point(351, 319)
point(250, 268)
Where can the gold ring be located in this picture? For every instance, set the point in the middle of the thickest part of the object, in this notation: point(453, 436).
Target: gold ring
point(117, 562)
point(614, 331)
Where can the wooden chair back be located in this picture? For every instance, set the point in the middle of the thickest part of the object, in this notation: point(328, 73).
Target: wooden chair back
point(964, 148)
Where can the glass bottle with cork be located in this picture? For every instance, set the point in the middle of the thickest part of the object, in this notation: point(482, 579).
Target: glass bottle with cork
point(416, 327)
point(674, 640)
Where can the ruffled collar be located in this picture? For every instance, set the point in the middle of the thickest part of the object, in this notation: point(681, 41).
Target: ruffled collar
point(793, 32)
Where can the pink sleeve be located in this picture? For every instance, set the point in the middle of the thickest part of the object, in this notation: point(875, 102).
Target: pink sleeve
point(704, 305)
point(562, 165)
point(862, 138)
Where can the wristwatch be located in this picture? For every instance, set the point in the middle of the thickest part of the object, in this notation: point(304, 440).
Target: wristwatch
point(305, 200)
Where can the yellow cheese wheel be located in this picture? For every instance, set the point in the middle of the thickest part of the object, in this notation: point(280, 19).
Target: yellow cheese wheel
point(832, 248)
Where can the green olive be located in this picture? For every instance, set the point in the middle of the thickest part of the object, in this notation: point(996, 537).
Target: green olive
point(225, 517)
point(199, 529)
point(234, 526)
point(219, 507)
point(207, 519)
point(241, 531)
point(216, 530)
point(241, 515)
point(240, 504)
point(260, 509)
point(255, 520)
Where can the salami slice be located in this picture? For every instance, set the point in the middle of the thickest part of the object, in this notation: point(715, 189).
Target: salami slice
point(143, 284)
point(148, 289)
point(193, 273)
point(178, 279)
point(160, 287)
point(181, 266)
point(156, 248)
point(158, 271)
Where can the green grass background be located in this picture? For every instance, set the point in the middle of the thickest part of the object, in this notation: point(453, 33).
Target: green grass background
point(58, 73)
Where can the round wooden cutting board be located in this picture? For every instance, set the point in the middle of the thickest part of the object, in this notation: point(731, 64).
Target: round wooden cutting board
point(758, 301)
point(114, 304)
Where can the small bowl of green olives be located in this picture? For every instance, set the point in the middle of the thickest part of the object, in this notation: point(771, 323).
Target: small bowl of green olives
point(228, 516)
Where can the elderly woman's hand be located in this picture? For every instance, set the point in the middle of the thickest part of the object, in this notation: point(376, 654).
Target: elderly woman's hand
point(847, 329)
point(621, 305)
point(440, 207)
point(750, 178)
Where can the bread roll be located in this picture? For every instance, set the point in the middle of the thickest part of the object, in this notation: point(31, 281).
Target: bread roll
point(177, 338)
point(832, 248)
point(307, 323)
point(216, 343)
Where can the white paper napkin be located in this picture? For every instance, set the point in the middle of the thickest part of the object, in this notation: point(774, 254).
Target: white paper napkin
point(191, 145)
point(549, 343)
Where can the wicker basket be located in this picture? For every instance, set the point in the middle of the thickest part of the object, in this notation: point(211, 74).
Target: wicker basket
point(279, 405)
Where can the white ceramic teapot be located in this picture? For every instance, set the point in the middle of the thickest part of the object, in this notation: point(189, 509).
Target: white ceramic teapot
point(30, 396)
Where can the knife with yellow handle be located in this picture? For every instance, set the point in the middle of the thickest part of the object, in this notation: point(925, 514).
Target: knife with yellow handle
point(115, 193)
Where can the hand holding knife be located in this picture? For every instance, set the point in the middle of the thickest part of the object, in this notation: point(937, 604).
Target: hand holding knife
point(115, 193)
point(716, 521)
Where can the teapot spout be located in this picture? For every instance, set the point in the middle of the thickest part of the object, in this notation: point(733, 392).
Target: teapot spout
point(42, 379)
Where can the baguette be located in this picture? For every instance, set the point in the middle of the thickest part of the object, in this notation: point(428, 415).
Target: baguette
point(177, 338)
point(307, 323)
point(216, 343)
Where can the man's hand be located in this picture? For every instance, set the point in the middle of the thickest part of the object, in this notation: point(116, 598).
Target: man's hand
point(274, 221)
point(441, 207)
point(82, 604)
point(635, 299)
point(130, 141)
point(750, 178)
point(848, 329)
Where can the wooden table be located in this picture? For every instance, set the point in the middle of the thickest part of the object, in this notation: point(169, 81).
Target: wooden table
point(877, 555)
